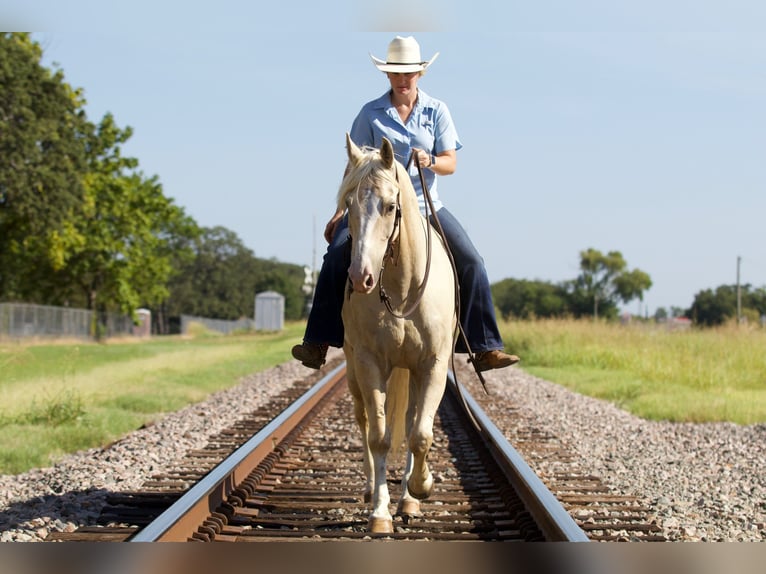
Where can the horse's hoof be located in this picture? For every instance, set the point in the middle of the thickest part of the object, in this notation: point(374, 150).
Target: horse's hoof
point(424, 492)
point(408, 509)
point(380, 525)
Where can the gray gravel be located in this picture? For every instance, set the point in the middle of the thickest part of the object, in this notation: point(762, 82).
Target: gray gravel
point(704, 481)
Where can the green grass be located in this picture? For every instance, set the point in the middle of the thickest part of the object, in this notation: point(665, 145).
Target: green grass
point(60, 398)
point(692, 376)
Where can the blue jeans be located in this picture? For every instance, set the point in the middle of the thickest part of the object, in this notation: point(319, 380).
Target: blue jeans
point(477, 311)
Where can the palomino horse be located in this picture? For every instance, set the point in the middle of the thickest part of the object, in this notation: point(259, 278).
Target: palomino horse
point(397, 352)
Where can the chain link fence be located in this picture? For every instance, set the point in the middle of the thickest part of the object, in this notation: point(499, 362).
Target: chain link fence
point(218, 325)
point(25, 320)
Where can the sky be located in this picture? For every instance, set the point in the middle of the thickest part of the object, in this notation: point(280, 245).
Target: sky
point(636, 126)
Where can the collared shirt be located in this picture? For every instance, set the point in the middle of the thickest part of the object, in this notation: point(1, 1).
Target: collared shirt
point(429, 128)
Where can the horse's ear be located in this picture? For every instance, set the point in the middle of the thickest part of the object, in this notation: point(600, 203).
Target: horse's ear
point(387, 153)
point(354, 153)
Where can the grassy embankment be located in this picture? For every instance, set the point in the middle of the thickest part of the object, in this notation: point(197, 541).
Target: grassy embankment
point(60, 398)
point(63, 397)
point(685, 376)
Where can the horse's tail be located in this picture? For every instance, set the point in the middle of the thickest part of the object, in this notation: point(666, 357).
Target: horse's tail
point(397, 400)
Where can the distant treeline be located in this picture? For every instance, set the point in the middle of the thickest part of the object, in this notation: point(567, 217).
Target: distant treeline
point(523, 299)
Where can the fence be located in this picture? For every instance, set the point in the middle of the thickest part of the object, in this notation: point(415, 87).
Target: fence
point(219, 325)
point(20, 320)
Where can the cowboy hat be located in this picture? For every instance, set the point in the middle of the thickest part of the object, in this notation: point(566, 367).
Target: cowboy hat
point(403, 57)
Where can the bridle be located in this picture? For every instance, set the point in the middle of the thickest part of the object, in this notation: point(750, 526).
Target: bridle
point(390, 254)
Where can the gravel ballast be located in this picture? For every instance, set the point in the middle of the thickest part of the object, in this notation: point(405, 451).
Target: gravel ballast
point(705, 482)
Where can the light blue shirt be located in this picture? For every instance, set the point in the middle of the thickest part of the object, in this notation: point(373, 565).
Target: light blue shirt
point(429, 128)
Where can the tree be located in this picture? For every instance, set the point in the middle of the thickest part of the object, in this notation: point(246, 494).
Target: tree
point(757, 300)
point(524, 299)
point(218, 281)
point(284, 278)
point(42, 151)
point(604, 281)
point(677, 311)
point(223, 277)
point(711, 308)
point(119, 245)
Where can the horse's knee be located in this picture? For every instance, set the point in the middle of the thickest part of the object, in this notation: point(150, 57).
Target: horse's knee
point(420, 442)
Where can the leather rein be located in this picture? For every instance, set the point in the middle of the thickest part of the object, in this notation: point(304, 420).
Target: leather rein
point(390, 253)
point(421, 289)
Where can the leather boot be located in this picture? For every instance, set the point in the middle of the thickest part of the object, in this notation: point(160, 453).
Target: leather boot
point(495, 359)
point(312, 355)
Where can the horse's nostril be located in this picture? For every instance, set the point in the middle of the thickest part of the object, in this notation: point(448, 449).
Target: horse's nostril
point(370, 282)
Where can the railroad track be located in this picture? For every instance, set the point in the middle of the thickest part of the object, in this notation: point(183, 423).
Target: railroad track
point(298, 477)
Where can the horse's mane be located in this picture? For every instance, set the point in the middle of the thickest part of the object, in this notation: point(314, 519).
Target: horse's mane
point(370, 167)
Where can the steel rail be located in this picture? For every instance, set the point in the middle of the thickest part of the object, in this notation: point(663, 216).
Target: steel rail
point(552, 518)
point(181, 519)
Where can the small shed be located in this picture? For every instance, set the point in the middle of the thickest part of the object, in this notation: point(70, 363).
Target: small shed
point(143, 328)
point(269, 311)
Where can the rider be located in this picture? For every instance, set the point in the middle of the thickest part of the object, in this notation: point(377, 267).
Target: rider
point(418, 125)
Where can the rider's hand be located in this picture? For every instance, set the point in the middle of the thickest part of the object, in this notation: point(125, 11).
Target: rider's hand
point(329, 230)
point(422, 157)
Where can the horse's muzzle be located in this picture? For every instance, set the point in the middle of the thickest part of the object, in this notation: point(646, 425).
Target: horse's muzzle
point(362, 279)
point(363, 284)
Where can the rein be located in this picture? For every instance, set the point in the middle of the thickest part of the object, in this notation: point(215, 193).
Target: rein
point(421, 289)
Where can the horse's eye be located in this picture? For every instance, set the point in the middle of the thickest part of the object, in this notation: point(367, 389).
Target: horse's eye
point(391, 208)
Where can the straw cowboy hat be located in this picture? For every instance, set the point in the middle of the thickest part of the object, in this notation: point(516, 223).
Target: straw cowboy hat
point(403, 57)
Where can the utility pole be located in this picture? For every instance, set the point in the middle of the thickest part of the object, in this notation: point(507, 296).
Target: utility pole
point(739, 294)
point(310, 279)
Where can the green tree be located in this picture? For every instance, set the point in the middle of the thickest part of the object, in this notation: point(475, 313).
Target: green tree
point(677, 311)
point(284, 278)
point(119, 247)
point(525, 299)
point(757, 300)
point(604, 281)
point(42, 158)
point(223, 277)
point(711, 308)
point(218, 281)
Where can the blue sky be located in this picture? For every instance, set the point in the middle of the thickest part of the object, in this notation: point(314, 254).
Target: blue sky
point(636, 126)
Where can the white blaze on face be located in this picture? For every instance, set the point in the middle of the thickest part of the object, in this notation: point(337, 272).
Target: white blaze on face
point(370, 236)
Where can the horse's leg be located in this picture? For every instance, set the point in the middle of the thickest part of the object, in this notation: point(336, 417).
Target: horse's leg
point(379, 440)
point(361, 420)
point(421, 481)
point(409, 506)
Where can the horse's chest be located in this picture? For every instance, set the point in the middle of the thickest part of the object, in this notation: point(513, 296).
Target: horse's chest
point(385, 330)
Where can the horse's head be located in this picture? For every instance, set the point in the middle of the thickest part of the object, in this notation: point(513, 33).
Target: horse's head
point(370, 192)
